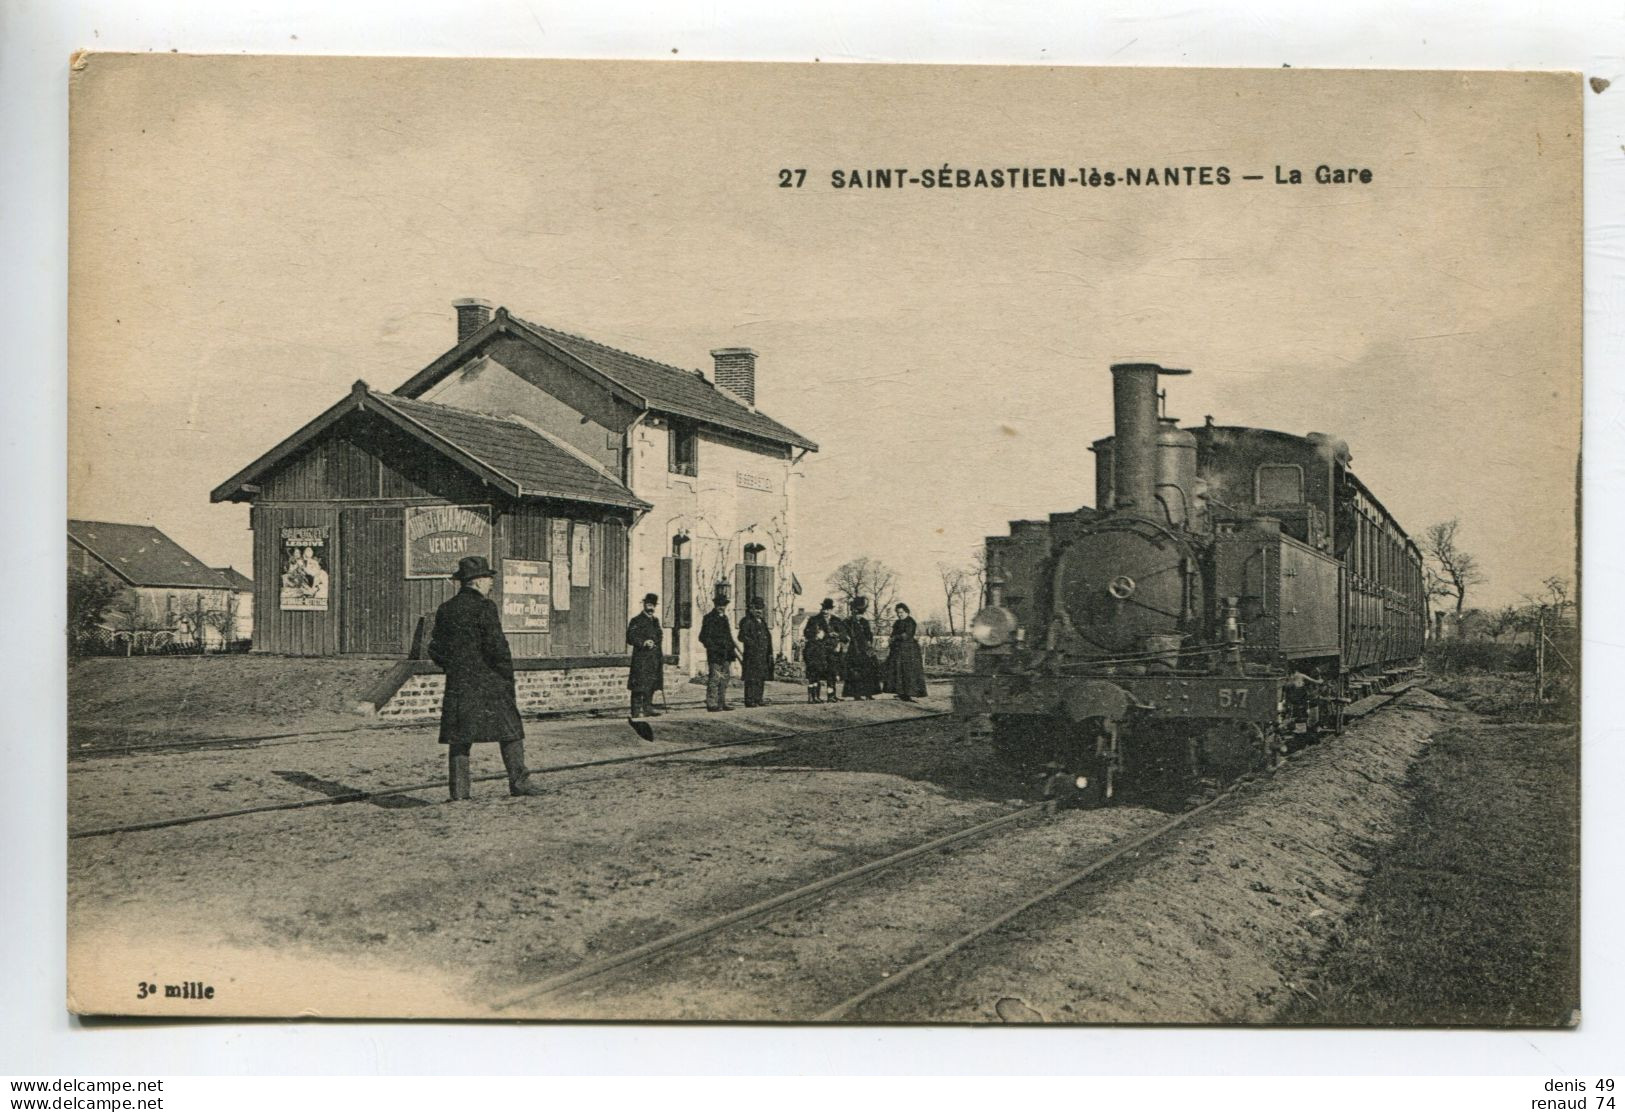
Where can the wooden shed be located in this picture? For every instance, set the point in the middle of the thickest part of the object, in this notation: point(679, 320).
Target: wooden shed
point(360, 516)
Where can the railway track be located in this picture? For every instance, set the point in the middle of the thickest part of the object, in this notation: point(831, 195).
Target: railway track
point(89, 752)
point(362, 796)
point(628, 963)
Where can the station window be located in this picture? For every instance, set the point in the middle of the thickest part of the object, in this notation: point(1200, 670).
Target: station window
point(755, 579)
point(684, 458)
point(1279, 484)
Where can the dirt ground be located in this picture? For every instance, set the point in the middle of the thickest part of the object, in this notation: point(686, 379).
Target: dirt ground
point(133, 700)
point(1221, 925)
point(439, 902)
point(406, 905)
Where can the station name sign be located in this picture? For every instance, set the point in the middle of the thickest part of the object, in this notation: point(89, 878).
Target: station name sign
point(439, 536)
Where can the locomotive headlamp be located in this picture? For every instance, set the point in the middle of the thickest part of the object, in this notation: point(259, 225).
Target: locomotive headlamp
point(993, 625)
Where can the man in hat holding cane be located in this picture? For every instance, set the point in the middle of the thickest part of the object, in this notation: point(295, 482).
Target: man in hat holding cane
point(645, 677)
point(479, 702)
point(720, 651)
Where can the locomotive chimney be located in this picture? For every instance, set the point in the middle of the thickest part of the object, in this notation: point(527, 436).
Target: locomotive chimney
point(1134, 435)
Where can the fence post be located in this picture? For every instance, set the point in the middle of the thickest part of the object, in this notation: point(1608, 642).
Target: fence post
point(1540, 656)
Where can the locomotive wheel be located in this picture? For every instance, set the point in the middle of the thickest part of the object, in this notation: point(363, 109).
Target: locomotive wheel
point(1334, 716)
point(1228, 750)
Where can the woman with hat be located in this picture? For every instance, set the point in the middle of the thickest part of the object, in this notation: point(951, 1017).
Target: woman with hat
point(862, 669)
point(646, 676)
point(479, 703)
point(905, 671)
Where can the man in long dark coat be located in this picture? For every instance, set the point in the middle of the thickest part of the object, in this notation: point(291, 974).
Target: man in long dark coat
point(818, 652)
point(647, 672)
point(479, 702)
point(756, 640)
point(720, 652)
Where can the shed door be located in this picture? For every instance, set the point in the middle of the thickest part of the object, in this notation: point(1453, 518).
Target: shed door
point(372, 570)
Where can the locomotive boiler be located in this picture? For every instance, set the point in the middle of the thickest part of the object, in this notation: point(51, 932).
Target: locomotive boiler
point(1233, 590)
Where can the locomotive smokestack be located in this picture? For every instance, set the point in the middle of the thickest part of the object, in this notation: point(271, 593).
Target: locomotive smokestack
point(1134, 436)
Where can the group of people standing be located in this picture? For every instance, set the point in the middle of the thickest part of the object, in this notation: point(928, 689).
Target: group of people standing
point(840, 652)
point(753, 650)
point(480, 701)
point(836, 651)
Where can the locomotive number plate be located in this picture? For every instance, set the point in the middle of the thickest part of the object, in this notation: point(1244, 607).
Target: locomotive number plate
point(1233, 697)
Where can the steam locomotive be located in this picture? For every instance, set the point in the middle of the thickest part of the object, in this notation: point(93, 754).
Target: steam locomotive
point(1236, 589)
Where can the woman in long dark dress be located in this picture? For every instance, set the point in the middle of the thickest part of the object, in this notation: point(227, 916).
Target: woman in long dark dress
point(862, 669)
point(905, 671)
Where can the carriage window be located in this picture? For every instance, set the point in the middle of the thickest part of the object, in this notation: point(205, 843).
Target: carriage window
point(1279, 483)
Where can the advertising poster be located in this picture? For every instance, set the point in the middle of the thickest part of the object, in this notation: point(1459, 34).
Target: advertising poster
point(526, 591)
point(439, 536)
point(581, 556)
point(558, 548)
point(305, 567)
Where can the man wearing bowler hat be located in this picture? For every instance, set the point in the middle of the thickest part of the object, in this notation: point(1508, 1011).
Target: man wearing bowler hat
point(756, 661)
point(721, 650)
point(645, 678)
point(479, 702)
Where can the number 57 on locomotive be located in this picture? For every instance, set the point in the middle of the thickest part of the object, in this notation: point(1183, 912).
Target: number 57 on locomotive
point(1234, 590)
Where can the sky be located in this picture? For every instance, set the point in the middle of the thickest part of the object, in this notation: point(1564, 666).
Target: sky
point(249, 236)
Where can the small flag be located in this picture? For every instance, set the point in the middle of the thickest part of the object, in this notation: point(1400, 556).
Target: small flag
point(795, 584)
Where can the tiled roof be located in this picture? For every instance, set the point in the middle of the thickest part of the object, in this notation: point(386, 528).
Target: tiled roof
point(670, 389)
point(531, 461)
point(144, 555)
point(235, 578)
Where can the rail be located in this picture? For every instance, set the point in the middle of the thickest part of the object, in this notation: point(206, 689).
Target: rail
point(640, 955)
point(361, 796)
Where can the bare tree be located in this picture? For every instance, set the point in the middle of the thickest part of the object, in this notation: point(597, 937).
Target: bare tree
point(957, 585)
point(977, 573)
point(1507, 619)
point(1553, 598)
point(1451, 569)
point(784, 586)
point(867, 577)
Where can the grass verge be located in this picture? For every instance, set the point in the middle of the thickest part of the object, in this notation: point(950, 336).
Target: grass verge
point(1472, 917)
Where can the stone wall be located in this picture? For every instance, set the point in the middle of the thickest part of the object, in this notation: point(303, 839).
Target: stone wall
point(539, 691)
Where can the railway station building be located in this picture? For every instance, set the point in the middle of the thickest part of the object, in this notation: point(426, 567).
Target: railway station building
point(587, 475)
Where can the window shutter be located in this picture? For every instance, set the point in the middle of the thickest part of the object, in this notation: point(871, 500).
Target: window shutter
point(668, 592)
point(761, 585)
point(741, 588)
point(683, 592)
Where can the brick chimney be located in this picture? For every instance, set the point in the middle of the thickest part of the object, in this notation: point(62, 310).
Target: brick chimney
point(473, 314)
point(736, 372)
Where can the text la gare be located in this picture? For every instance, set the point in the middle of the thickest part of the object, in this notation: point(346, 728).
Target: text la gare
point(1325, 175)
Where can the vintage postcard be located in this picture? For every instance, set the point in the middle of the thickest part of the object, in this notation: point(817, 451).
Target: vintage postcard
point(806, 543)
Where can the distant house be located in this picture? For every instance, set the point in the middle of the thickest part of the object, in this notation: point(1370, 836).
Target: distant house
point(167, 589)
point(242, 602)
